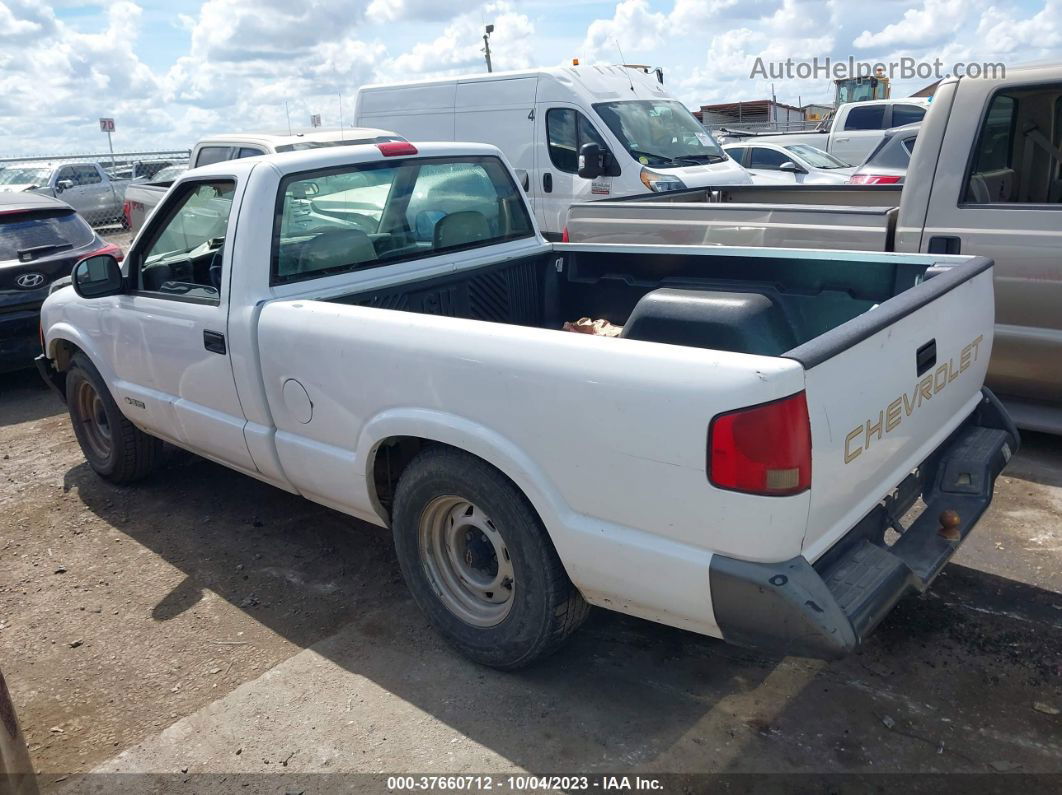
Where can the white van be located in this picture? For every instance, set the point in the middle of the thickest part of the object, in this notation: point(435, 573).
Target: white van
point(541, 119)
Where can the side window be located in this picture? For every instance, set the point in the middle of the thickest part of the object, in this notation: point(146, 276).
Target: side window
point(867, 117)
point(767, 158)
point(737, 154)
point(183, 252)
point(908, 145)
point(1017, 157)
point(247, 151)
point(87, 175)
point(212, 154)
point(906, 114)
point(66, 172)
point(567, 130)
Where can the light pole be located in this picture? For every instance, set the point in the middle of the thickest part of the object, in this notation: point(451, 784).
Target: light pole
point(486, 45)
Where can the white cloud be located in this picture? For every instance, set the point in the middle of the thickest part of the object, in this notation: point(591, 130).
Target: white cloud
point(245, 58)
point(932, 22)
point(459, 48)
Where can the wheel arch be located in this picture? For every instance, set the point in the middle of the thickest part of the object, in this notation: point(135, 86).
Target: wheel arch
point(391, 440)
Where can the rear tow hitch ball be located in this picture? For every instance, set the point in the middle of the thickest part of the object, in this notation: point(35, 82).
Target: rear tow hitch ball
point(949, 526)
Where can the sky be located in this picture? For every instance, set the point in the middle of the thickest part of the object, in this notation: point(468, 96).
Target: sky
point(173, 71)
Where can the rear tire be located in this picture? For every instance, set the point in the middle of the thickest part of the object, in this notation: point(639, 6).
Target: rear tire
point(116, 449)
point(479, 562)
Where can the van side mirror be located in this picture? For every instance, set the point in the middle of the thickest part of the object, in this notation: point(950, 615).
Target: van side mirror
point(591, 161)
point(792, 167)
point(63, 184)
point(97, 276)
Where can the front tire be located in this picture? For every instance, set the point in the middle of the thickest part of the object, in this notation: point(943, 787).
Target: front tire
point(479, 562)
point(116, 449)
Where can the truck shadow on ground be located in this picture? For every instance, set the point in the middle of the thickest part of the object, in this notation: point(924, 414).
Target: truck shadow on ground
point(24, 397)
point(622, 694)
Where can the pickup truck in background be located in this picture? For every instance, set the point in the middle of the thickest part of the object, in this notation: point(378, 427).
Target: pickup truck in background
point(850, 134)
point(985, 178)
point(84, 186)
point(141, 197)
point(379, 329)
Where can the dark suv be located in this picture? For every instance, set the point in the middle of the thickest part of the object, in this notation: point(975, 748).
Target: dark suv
point(40, 240)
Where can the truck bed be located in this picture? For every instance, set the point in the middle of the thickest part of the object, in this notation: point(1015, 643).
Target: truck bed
point(808, 294)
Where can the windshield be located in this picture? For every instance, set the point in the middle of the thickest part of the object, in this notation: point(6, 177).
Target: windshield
point(169, 174)
point(24, 176)
point(660, 132)
point(815, 157)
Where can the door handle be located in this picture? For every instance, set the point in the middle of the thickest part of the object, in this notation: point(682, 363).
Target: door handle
point(944, 244)
point(214, 341)
point(547, 182)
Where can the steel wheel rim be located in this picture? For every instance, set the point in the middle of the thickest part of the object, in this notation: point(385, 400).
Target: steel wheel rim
point(92, 416)
point(466, 561)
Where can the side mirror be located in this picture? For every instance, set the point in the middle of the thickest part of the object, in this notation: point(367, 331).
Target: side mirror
point(95, 277)
point(525, 179)
point(591, 161)
point(63, 184)
point(792, 167)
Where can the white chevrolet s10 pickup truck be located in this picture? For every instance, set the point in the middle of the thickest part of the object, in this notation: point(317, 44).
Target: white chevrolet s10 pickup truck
point(379, 329)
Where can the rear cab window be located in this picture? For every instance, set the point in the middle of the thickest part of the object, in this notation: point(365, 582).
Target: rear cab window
point(372, 214)
point(213, 154)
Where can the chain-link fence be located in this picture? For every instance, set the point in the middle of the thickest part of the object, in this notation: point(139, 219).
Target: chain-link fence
point(95, 184)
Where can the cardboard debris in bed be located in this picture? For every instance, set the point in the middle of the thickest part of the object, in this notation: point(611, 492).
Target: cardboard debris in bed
point(599, 328)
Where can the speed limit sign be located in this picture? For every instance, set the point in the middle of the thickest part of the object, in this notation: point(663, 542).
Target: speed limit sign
point(107, 125)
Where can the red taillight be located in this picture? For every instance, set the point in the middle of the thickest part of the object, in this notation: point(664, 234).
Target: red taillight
point(127, 211)
point(396, 148)
point(564, 235)
point(763, 449)
point(111, 249)
point(873, 179)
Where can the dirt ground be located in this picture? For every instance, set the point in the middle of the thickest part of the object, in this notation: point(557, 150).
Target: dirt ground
point(204, 621)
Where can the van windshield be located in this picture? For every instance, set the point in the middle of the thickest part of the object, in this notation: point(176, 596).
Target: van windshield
point(660, 132)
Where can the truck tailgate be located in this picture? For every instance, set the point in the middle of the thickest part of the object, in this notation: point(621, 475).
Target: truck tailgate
point(885, 389)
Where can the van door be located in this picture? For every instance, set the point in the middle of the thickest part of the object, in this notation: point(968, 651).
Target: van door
point(502, 113)
point(1003, 200)
point(562, 129)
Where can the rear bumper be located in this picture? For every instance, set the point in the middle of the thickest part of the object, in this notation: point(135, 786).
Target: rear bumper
point(19, 338)
point(827, 609)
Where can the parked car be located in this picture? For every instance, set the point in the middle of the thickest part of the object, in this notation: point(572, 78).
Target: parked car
point(789, 164)
point(84, 186)
point(642, 137)
point(142, 197)
point(887, 164)
point(985, 180)
point(384, 336)
point(40, 240)
point(852, 132)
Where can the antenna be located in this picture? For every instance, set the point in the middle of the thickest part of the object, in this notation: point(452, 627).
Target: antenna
point(288, 114)
point(622, 62)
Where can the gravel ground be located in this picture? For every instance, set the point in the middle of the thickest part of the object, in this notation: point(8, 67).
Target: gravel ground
point(203, 620)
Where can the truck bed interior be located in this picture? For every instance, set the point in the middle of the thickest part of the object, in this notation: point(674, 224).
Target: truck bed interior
point(760, 304)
